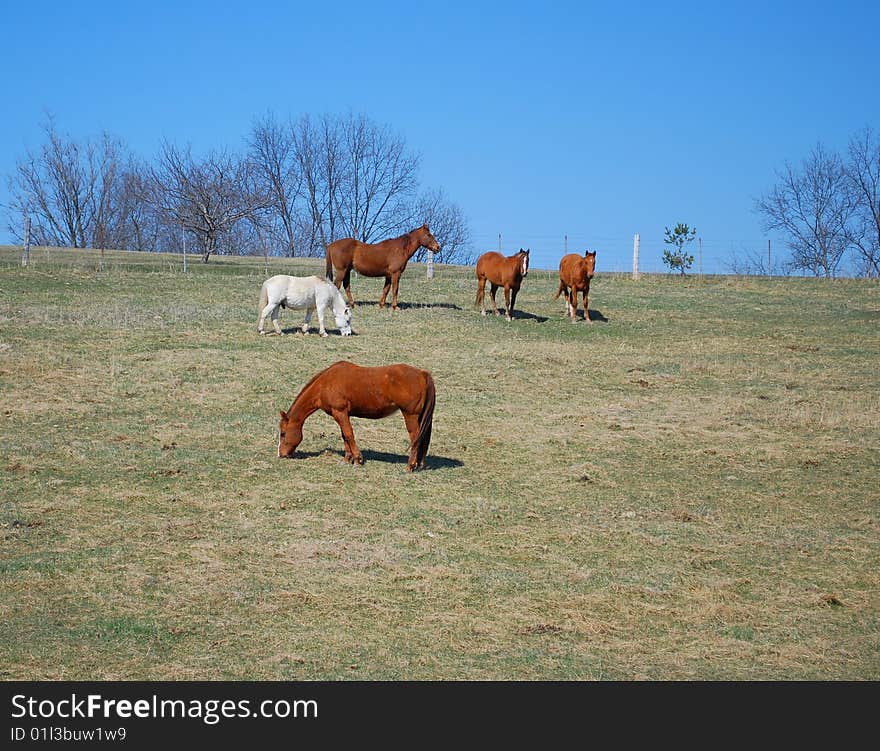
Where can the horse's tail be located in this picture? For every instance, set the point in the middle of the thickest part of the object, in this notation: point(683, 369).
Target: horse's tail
point(426, 420)
point(329, 265)
point(481, 288)
point(563, 287)
point(264, 297)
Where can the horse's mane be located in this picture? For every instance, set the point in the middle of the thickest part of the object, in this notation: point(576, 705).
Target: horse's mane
point(313, 379)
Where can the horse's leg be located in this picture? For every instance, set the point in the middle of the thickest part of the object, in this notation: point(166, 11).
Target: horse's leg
point(395, 282)
point(492, 290)
point(305, 326)
point(513, 293)
point(385, 291)
point(412, 426)
point(573, 304)
point(346, 282)
point(587, 306)
point(352, 452)
point(321, 320)
point(275, 323)
point(265, 312)
point(481, 294)
point(507, 307)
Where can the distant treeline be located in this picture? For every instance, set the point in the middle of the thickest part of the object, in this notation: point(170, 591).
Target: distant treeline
point(296, 186)
point(826, 208)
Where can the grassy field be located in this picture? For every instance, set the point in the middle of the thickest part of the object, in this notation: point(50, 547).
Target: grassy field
point(687, 488)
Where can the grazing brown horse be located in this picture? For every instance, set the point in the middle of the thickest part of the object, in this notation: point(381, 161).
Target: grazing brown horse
point(387, 258)
point(501, 271)
point(575, 273)
point(347, 390)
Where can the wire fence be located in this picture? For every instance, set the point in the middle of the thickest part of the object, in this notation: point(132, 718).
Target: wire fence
point(615, 253)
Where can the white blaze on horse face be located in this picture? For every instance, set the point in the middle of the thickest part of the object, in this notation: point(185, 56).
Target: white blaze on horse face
point(525, 265)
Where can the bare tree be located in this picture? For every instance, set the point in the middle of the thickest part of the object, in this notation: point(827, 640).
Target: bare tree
point(207, 197)
point(345, 176)
point(448, 224)
point(863, 185)
point(811, 207)
point(53, 187)
point(313, 171)
point(140, 225)
point(272, 154)
point(105, 191)
point(71, 190)
point(380, 178)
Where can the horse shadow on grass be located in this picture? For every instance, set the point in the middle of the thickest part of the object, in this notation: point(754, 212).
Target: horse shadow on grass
point(431, 461)
point(594, 315)
point(408, 305)
point(312, 332)
point(519, 315)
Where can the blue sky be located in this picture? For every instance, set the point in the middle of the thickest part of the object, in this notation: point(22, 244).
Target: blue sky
point(596, 120)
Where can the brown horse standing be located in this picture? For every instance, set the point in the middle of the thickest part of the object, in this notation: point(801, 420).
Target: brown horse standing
point(347, 390)
point(575, 273)
point(501, 271)
point(387, 258)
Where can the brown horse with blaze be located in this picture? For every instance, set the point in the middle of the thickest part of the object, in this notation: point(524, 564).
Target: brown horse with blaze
point(501, 271)
point(575, 273)
point(345, 390)
point(387, 258)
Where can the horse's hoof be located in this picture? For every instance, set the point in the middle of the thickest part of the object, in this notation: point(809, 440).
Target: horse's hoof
point(508, 319)
point(323, 333)
point(359, 460)
point(483, 312)
point(261, 333)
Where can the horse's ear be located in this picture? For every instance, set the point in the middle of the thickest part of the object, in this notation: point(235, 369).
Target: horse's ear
point(283, 414)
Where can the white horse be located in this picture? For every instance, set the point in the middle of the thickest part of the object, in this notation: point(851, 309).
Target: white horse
point(303, 292)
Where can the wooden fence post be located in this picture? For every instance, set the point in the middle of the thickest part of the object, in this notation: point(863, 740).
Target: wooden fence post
point(701, 257)
point(636, 256)
point(25, 259)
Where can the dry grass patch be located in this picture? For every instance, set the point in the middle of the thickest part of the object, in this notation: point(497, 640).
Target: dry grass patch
point(686, 489)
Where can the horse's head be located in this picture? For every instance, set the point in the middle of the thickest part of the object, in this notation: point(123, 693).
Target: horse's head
point(524, 260)
point(343, 321)
point(427, 240)
point(590, 263)
point(290, 436)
